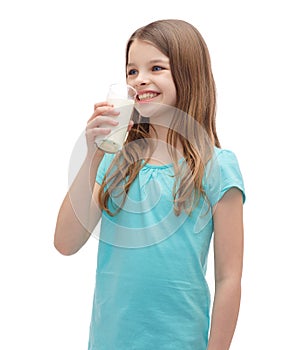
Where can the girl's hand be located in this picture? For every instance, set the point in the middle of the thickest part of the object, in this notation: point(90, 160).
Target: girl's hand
point(99, 123)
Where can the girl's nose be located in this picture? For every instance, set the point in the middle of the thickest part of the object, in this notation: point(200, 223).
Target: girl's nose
point(141, 80)
point(140, 84)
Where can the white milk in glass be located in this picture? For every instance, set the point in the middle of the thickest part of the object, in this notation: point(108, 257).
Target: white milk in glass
point(113, 142)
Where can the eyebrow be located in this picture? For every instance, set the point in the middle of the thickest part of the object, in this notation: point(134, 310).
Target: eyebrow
point(151, 62)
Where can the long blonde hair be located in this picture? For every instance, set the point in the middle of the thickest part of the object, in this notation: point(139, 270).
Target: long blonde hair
point(196, 98)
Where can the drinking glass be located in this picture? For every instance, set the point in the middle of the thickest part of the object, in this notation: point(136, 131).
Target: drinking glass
point(122, 97)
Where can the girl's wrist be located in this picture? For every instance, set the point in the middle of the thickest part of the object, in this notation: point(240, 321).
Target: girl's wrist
point(94, 154)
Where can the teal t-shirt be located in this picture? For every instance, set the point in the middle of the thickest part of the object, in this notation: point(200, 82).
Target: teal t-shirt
point(151, 291)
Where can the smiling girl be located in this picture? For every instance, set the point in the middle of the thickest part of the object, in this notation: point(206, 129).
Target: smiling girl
point(160, 200)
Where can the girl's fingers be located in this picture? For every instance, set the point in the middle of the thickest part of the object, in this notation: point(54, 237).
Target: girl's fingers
point(103, 110)
point(101, 104)
point(91, 135)
point(101, 121)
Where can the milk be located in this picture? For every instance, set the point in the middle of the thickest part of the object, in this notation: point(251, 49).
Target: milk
point(114, 141)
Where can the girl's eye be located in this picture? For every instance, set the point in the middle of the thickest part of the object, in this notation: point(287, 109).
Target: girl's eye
point(132, 72)
point(157, 68)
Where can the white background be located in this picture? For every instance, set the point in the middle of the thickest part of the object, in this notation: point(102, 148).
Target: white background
point(57, 59)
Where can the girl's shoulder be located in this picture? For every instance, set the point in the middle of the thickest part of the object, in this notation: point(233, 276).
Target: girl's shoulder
point(223, 153)
point(224, 159)
point(222, 173)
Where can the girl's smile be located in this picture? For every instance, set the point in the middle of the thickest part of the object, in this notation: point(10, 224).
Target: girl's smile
point(146, 96)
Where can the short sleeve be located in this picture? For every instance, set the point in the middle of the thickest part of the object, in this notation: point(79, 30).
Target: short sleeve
point(222, 173)
point(103, 167)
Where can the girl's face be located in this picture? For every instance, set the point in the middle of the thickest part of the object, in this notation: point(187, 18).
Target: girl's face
point(148, 71)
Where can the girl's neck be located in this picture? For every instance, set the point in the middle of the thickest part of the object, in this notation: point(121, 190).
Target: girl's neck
point(161, 154)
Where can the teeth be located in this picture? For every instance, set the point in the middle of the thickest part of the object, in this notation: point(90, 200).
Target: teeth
point(147, 95)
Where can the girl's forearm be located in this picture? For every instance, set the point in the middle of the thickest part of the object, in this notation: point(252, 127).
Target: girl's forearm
point(72, 226)
point(224, 314)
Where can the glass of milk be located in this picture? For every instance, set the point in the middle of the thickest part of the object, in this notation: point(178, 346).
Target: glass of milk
point(122, 97)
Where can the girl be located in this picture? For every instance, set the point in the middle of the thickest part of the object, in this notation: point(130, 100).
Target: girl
point(160, 199)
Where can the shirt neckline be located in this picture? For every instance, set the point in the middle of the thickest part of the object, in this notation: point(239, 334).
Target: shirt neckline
point(162, 166)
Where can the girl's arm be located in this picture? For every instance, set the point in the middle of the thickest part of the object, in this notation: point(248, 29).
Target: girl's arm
point(74, 226)
point(228, 257)
point(79, 212)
